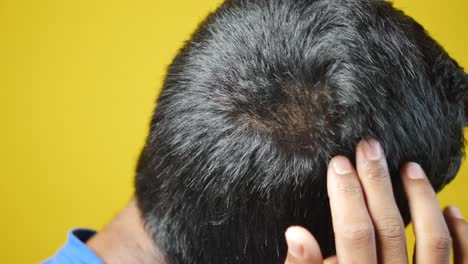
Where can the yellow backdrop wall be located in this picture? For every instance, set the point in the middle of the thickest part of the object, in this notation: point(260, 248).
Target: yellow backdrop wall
point(78, 81)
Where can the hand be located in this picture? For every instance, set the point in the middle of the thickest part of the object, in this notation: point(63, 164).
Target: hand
point(366, 221)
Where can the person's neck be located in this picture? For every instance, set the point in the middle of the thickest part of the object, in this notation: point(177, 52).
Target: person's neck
point(125, 240)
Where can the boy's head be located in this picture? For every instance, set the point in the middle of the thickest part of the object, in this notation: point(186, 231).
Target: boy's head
point(258, 101)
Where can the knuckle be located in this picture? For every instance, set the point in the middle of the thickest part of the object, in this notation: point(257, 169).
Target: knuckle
point(359, 235)
point(390, 229)
point(422, 192)
point(439, 242)
point(350, 188)
point(377, 172)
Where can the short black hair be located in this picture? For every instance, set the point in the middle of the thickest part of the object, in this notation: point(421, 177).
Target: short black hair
point(259, 100)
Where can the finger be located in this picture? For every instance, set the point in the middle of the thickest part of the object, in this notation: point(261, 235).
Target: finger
point(433, 241)
point(354, 233)
point(302, 247)
point(459, 231)
point(331, 260)
point(375, 180)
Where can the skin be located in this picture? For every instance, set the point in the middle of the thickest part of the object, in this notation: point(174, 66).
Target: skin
point(367, 225)
point(124, 240)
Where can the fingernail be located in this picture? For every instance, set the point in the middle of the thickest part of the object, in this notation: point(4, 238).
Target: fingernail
point(372, 149)
point(455, 212)
point(414, 171)
point(295, 247)
point(342, 165)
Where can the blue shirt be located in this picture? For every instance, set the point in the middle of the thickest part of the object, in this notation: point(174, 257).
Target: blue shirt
point(75, 250)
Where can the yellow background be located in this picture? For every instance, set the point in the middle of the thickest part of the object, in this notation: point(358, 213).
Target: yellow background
point(78, 81)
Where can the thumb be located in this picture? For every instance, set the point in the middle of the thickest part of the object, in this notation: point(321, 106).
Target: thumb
point(302, 247)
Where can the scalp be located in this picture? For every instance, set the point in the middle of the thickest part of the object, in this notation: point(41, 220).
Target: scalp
point(263, 95)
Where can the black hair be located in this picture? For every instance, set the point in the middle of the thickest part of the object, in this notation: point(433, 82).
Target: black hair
point(259, 100)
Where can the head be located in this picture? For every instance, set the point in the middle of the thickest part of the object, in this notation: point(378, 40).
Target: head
point(263, 95)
